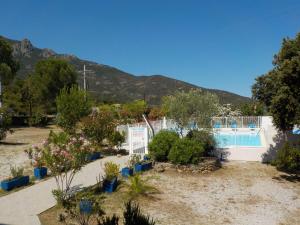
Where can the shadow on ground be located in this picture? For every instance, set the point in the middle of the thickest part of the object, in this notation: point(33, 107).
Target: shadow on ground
point(288, 177)
point(13, 144)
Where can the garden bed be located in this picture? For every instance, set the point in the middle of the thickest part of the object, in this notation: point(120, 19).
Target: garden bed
point(207, 165)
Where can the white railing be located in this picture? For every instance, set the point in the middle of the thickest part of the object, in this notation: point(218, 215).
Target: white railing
point(237, 122)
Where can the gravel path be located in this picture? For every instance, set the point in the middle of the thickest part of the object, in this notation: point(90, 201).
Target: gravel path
point(241, 193)
point(22, 207)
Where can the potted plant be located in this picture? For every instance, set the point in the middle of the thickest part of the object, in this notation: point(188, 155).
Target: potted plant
point(137, 163)
point(94, 156)
point(17, 179)
point(128, 170)
point(86, 206)
point(110, 181)
point(35, 155)
point(146, 165)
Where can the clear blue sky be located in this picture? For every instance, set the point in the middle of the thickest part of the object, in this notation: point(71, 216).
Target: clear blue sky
point(215, 44)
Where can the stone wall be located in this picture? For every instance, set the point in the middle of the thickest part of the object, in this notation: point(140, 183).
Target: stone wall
point(208, 164)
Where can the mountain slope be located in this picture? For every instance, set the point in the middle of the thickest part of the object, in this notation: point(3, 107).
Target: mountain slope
point(111, 84)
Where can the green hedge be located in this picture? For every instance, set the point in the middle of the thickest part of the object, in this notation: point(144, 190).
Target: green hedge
point(288, 158)
point(161, 144)
point(186, 151)
point(204, 138)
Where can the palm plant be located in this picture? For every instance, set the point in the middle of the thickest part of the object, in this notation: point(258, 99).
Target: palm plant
point(139, 186)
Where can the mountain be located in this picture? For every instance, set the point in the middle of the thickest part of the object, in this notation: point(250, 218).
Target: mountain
point(110, 84)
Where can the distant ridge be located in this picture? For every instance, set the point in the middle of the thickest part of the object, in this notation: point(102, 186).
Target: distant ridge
point(110, 84)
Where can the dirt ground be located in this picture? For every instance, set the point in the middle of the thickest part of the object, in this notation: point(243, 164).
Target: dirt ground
point(12, 148)
point(240, 193)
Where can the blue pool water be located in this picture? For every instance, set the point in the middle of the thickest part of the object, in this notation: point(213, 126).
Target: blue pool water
point(226, 140)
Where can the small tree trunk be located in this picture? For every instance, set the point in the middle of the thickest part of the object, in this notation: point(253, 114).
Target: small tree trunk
point(286, 135)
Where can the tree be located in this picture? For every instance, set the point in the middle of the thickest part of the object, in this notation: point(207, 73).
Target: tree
point(155, 113)
point(53, 75)
point(8, 66)
point(64, 156)
point(32, 92)
point(279, 89)
point(252, 109)
point(227, 110)
point(98, 126)
point(8, 70)
point(195, 106)
point(133, 111)
point(72, 105)
point(5, 121)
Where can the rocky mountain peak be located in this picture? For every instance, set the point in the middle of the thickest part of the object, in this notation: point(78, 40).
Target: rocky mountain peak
point(23, 48)
point(46, 53)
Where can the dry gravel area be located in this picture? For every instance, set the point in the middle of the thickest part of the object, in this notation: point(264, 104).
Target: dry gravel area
point(12, 148)
point(240, 193)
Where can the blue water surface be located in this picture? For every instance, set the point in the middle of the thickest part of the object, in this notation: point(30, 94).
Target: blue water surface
point(226, 140)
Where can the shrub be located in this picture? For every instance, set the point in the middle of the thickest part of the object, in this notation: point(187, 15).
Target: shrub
point(5, 121)
point(99, 126)
point(16, 171)
point(72, 105)
point(64, 156)
point(114, 220)
point(139, 186)
point(111, 170)
point(204, 138)
point(161, 144)
point(288, 158)
point(116, 139)
point(186, 151)
point(133, 215)
point(134, 159)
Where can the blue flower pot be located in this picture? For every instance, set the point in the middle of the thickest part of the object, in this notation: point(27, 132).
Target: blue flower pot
point(94, 156)
point(146, 157)
point(22, 181)
point(40, 172)
point(8, 185)
point(146, 166)
point(85, 206)
point(110, 186)
point(138, 168)
point(127, 172)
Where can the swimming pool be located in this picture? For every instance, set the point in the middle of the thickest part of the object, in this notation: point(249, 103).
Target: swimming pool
point(225, 140)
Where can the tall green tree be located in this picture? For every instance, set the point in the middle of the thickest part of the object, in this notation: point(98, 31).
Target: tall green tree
point(8, 70)
point(279, 88)
point(8, 66)
point(72, 105)
point(133, 111)
point(53, 75)
point(193, 106)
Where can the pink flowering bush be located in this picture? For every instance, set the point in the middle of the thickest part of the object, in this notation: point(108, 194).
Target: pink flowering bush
point(64, 156)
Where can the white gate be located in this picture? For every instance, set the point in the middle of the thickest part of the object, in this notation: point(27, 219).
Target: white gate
point(138, 140)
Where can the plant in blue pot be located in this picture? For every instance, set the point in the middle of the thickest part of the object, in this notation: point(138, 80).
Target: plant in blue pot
point(110, 181)
point(137, 163)
point(35, 155)
point(17, 179)
point(128, 170)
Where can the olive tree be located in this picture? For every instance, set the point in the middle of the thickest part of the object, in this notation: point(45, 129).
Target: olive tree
point(194, 106)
